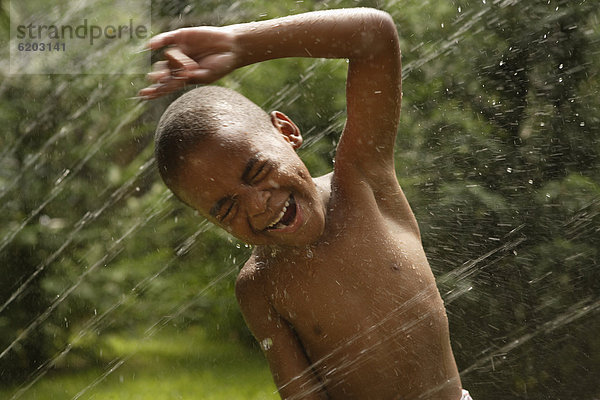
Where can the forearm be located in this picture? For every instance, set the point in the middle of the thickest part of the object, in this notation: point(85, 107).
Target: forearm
point(347, 33)
point(366, 37)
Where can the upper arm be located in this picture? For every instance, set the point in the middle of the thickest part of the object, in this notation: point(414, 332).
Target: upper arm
point(373, 95)
point(287, 360)
point(373, 100)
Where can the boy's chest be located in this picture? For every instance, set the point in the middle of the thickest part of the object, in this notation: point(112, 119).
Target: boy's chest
point(347, 281)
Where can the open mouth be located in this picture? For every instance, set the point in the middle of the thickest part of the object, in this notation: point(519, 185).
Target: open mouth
point(286, 217)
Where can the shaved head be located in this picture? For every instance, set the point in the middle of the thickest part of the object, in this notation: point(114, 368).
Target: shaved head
point(199, 112)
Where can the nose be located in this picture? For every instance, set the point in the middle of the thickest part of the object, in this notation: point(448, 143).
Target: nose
point(255, 200)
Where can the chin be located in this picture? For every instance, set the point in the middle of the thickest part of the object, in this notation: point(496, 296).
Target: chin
point(310, 232)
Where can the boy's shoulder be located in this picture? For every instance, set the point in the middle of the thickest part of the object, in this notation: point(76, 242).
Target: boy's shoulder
point(250, 281)
point(255, 280)
point(251, 292)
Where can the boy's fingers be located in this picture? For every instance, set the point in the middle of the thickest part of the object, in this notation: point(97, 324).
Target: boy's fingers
point(201, 75)
point(209, 69)
point(147, 93)
point(159, 71)
point(160, 89)
point(158, 76)
point(178, 59)
point(160, 65)
point(162, 40)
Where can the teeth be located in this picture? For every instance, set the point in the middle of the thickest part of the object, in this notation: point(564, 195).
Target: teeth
point(281, 214)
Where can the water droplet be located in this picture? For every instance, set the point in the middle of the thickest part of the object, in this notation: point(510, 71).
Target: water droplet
point(309, 253)
point(63, 176)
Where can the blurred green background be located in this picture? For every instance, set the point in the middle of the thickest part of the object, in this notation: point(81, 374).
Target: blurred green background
point(113, 289)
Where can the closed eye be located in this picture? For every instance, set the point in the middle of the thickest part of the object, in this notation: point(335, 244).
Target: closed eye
point(260, 173)
point(228, 211)
point(255, 171)
point(224, 209)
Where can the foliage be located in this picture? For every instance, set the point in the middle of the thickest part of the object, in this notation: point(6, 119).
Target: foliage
point(510, 190)
point(498, 152)
point(182, 364)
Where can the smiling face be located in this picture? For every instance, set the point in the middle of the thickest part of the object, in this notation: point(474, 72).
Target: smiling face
point(254, 185)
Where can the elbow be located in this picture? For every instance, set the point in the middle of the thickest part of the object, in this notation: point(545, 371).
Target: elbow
point(388, 31)
point(384, 21)
point(380, 31)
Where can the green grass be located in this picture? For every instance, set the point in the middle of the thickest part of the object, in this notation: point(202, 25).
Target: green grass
point(170, 365)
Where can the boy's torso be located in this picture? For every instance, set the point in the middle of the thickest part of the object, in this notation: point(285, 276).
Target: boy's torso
point(362, 301)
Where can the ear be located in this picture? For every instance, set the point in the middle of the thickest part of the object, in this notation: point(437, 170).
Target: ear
point(287, 128)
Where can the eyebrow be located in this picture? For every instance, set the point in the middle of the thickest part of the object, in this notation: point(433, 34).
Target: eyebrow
point(245, 178)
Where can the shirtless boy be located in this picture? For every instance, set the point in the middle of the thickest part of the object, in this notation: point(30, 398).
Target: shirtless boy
point(338, 290)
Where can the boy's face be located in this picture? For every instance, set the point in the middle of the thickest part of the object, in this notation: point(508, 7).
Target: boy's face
point(254, 185)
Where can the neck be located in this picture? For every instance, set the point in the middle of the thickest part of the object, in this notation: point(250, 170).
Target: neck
point(323, 184)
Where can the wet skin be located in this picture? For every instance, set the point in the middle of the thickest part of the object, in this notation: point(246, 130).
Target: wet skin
point(338, 290)
point(341, 283)
point(361, 301)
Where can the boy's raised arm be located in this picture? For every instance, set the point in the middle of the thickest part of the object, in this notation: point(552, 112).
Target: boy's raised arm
point(366, 37)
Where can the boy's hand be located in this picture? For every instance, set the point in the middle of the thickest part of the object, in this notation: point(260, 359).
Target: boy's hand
point(193, 55)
